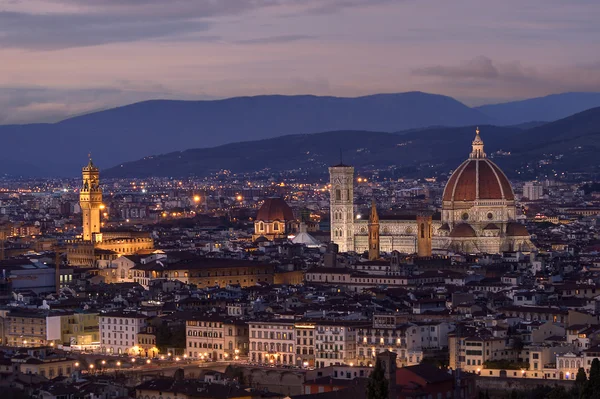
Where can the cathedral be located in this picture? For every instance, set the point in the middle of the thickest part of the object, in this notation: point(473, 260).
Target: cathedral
point(478, 215)
point(96, 247)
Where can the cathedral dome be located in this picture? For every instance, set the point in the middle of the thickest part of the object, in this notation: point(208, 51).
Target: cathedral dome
point(478, 178)
point(514, 229)
point(275, 209)
point(463, 230)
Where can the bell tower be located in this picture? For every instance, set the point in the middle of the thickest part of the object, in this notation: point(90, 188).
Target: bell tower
point(341, 201)
point(90, 200)
point(425, 227)
point(373, 233)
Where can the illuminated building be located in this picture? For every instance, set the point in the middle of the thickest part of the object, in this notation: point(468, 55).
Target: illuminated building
point(478, 214)
point(91, 249)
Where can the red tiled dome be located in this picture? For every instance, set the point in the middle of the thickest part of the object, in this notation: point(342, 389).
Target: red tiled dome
point(493, 183)
point(463, 230)
point(275, 209)
point(514, 229)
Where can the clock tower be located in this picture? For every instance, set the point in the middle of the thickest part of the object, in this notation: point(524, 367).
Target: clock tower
point(341, 200)
point(90, 200)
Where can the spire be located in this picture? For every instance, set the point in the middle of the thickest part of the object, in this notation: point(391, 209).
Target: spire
point(477, 145)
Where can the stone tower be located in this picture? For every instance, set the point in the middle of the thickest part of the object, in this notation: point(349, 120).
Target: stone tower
point(373, 233)
point(90, 200)
point(424, 235)
point(388, 362)
point(341, 203)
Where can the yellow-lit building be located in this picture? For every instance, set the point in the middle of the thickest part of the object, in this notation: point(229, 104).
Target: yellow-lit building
point(94, 243)
point(49, 368)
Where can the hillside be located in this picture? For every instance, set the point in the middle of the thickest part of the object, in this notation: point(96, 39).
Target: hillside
point(130, 132)
point(420, 152)
point(549, 108)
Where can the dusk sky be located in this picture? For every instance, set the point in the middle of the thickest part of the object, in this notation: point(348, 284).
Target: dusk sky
point(64, 57)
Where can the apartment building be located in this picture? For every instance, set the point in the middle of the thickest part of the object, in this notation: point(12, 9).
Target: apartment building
point(119, 332)
point(272, 342)
point(216, 338)
point(335, 342)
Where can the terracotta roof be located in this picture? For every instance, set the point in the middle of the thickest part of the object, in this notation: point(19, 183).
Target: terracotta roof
point(463, 230)
point(491, 226)
point(493, 183)
point(275, 209)
point(516, 230)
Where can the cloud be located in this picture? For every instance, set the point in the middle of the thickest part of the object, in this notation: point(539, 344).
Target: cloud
point(57, 31)
point(482, 74)
point(276, 39)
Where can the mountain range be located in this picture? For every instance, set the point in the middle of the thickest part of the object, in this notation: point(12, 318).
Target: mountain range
point(569, 144)
point(123, 134)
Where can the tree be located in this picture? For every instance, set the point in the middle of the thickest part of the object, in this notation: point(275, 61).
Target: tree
point(580, 383)
point(592, 387)
point(377, 386)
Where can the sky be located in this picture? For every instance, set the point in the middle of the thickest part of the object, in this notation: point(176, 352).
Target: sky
point(66, 57)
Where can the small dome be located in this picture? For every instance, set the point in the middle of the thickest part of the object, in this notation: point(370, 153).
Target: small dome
point(444, 227)
point(275, 209)
point(463, 230)
point(516, 230)
point(491, 226)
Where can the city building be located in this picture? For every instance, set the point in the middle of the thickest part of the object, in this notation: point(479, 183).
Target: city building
point(533, 191)
point(272, 342)
point(119, 333)
point(216, 338)
point(478, 214)
point(274, 220)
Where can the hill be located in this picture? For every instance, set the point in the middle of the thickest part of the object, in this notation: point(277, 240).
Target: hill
point(133, 131)
point(549, 108)
point(563, 144)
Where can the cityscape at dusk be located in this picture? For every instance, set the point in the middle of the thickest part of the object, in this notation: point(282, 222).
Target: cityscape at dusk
point(297, 199)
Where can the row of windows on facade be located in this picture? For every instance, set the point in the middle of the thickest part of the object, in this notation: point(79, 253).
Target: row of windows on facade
point(32, 331)
point(261, 226)
point(272, 335)
point(213, 334)
point(107, 320)
point(270, 346)
point(285, 359)
point(51, 372)
point(244, 272)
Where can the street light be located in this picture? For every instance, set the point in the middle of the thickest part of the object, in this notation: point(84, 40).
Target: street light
point(148, 361)
point(118, 364)
point(76, 364)
point(103, 362)
point(305, 364)
point(132, 360)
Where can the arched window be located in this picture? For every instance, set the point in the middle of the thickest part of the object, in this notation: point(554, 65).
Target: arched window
point(560, 364)
point(261, 226)
point(422, 230)
point(338, 194)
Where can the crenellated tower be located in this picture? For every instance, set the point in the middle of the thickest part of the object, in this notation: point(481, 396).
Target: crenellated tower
point(373, 233)
point(341, 207)
point(90, 200)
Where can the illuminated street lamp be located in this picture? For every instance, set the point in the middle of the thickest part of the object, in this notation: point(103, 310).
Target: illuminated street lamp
point(76, 364)
point(196, 198)
point(305, 364)
point(91, 367)
point(118, 364)
point(132, 360)
point(177, 359)
point(236, 357)
point(226, 355)
point(148, 361)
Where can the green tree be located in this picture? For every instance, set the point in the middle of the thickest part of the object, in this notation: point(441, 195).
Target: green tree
point(592, 387)
point(377, 386)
